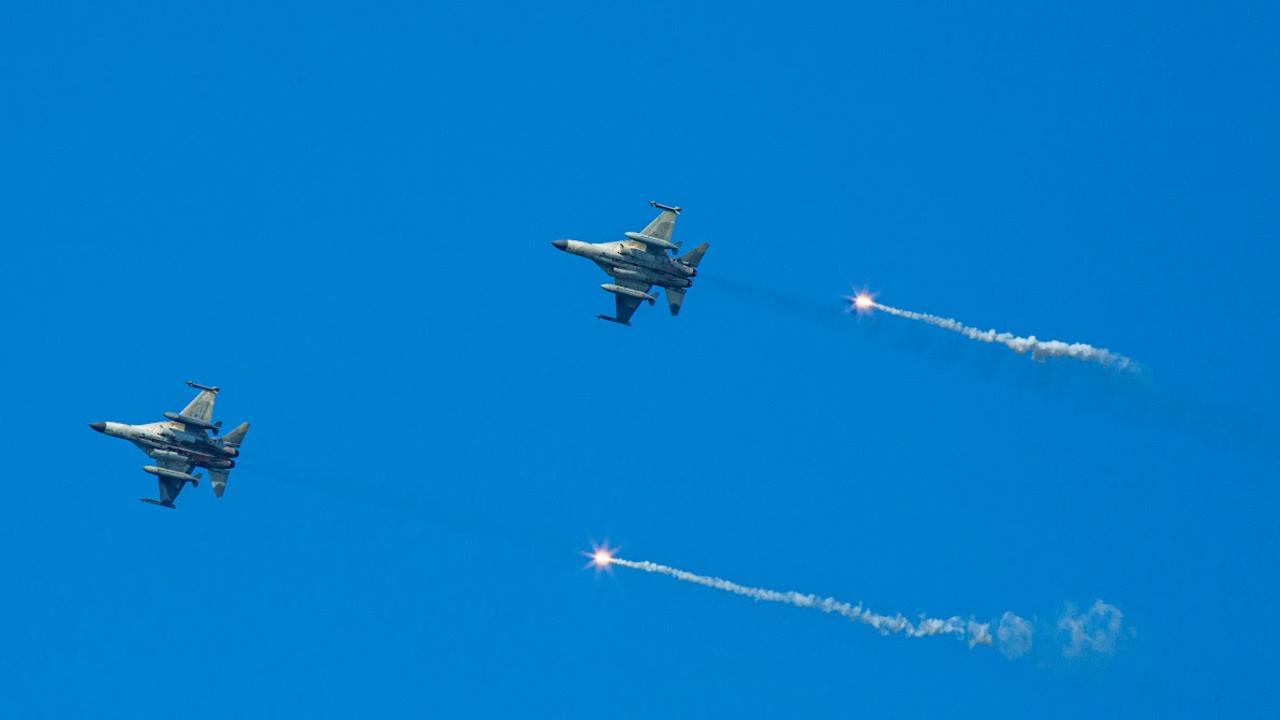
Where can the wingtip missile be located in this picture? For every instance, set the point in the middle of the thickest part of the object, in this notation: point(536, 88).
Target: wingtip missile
point(660, 206)
point(614, 320)
point(198, 386)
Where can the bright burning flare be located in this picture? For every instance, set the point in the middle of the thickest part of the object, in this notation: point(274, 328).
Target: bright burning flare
point(861, 302)
point(600, 557)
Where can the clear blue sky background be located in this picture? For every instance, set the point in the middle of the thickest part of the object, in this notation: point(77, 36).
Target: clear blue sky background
point(341, 216)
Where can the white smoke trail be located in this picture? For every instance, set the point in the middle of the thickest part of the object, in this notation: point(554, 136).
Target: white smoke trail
point(1092, 631)
point(1039, 349)
point(975, 632)
point(1014, 634)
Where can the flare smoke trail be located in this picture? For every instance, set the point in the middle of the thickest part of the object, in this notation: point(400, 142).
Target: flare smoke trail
point(1040, 349)
point(975, 632)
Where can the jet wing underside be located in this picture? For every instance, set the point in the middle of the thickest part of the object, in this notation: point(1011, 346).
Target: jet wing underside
point(169, 487)
point(625, 305)
point(201, 408)
point(169, 490)
point(661, 228)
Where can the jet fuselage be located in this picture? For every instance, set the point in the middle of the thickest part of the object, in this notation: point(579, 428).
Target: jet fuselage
point(166, 439)
point(629, 263)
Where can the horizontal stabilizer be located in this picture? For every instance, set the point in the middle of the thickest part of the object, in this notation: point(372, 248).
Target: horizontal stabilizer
point(675, 298)
point(694, 256)
point(157, 503)
point(236, 435)
point(218, 479)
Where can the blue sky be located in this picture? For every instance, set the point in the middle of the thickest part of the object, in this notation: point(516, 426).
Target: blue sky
point(341, 216)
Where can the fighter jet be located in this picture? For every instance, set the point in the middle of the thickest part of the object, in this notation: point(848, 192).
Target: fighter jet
point(640, 262)
point(181, 443)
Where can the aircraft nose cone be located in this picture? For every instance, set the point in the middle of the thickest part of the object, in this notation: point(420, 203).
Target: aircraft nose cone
point(560, 244)
point(99, 426)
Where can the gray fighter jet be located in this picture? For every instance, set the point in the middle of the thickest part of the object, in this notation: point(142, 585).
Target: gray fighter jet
point(640, 262)
point(182, 443)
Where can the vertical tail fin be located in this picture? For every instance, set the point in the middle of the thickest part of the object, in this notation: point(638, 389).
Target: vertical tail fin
point(694, 256)
point(675, 298)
